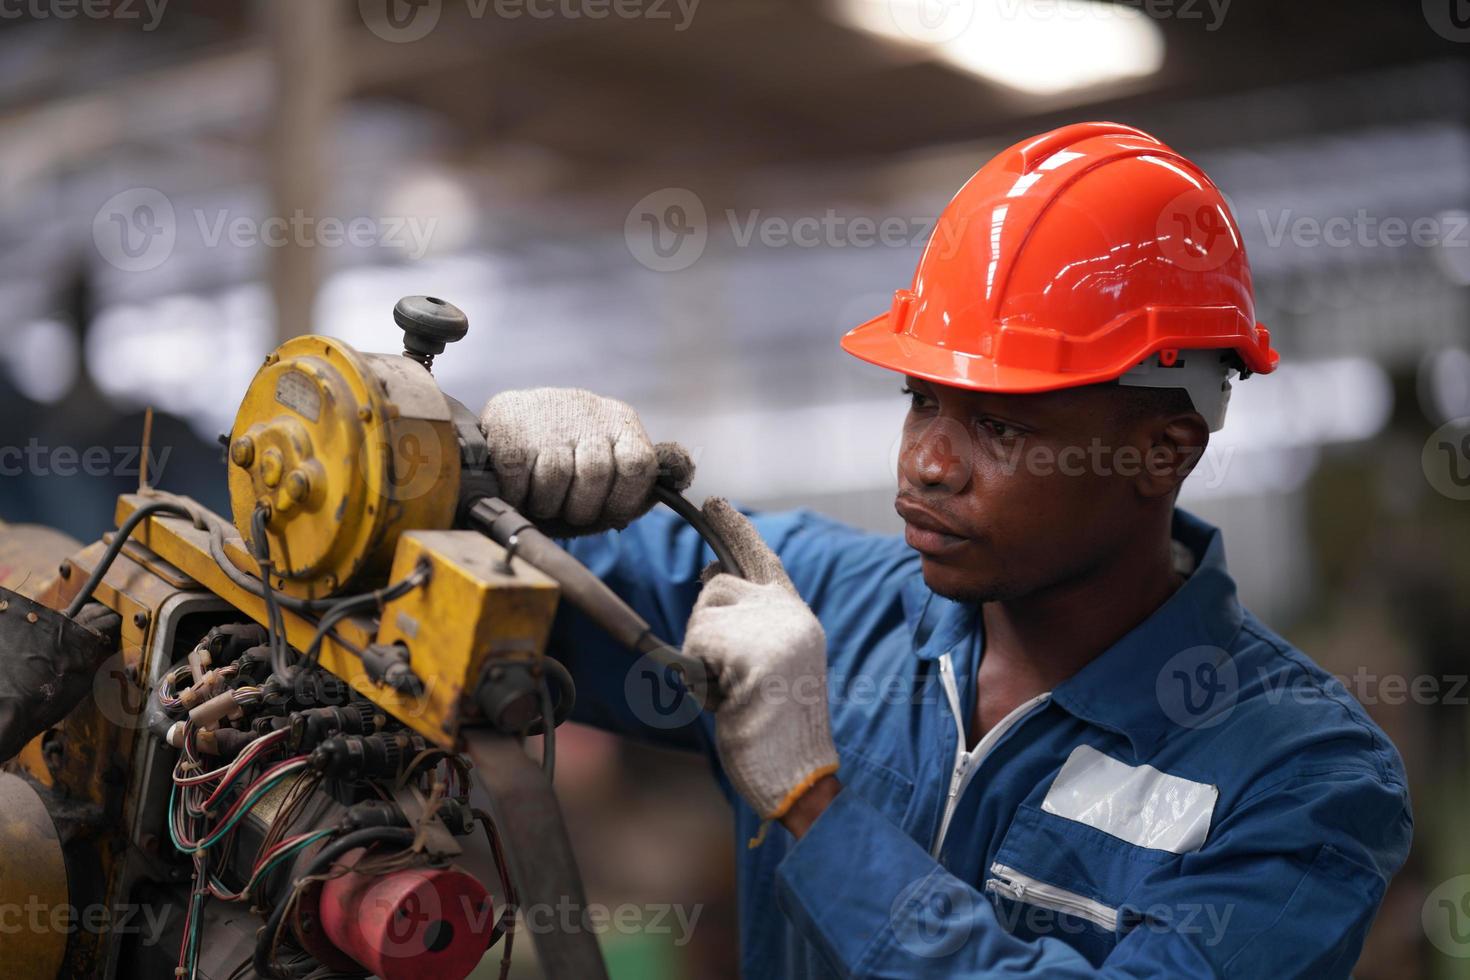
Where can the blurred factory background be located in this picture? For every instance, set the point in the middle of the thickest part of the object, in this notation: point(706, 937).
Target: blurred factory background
point(684, 204)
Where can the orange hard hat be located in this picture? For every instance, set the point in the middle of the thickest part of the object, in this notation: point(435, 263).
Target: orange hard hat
point(1073, 258)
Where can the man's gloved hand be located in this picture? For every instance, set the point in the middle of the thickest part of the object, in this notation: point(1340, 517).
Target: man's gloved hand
point(576, 461)
point(768, 655)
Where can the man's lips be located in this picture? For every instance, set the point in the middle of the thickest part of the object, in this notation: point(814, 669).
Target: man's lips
point(925, 531)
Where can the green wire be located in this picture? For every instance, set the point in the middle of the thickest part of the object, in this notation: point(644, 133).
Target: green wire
point(288, 852)
point(194, 933)
point(250, 800)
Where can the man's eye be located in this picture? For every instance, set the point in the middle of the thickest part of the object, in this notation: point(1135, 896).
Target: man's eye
point(916, 399)
point(998, 429)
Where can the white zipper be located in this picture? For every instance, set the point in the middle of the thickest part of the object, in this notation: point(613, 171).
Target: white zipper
point(1018, 887)
point(966, 762)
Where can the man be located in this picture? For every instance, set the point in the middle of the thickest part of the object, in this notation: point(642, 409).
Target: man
point(1051, 740)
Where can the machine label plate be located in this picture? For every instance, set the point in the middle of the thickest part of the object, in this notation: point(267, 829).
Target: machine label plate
point(299, 393)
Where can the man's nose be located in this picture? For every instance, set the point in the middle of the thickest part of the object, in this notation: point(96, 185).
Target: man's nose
point(936, 456)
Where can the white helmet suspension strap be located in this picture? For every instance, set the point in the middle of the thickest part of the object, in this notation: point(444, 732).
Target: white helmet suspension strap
point(1203, 374)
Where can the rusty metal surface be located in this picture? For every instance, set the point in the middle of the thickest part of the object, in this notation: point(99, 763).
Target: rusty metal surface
point(30, 556)
point(85, 759)
point(32, 877)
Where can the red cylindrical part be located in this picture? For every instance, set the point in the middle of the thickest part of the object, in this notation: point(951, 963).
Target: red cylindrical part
point(417, 923)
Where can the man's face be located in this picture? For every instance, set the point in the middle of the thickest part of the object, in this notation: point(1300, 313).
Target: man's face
point(1004, 495)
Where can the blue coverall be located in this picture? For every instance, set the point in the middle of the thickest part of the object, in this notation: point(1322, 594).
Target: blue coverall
point(1200, 800)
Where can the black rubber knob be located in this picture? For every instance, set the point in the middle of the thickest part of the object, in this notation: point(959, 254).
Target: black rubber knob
point(429, 323)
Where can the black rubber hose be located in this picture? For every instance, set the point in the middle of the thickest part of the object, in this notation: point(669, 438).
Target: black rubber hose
point(115, 548)
point(684, 507)
point(557, 677)
point(367, 602)
point(506, 526)
point(322, 862)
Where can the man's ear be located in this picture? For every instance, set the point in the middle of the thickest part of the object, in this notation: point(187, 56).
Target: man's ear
point(1176, 445)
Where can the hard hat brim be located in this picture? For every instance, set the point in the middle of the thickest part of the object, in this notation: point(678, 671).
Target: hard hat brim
point(876, 342)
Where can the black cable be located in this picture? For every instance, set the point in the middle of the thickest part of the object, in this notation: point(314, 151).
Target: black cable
point(555, 670)
point(319, 864)
point(275, 623)
point(376, 599)
point(681, 505)
point(115, 548)
point(548, 741)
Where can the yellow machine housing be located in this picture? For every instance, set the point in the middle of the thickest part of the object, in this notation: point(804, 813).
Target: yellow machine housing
point(344, 451)
point(475, 606)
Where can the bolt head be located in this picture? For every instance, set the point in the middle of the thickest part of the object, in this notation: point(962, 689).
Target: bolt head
point(242, 451)
point(271, 466)
point(298, 485)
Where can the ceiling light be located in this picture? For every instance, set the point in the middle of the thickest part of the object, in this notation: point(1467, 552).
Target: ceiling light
point(1041, 47)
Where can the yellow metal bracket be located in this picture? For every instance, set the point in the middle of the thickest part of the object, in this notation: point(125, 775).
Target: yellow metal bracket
point(474, 607)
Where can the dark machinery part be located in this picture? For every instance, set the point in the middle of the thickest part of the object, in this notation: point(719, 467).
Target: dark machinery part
point(387, 663)
point(311, 727)
point(429, 323)
point(526, 811)
point(352, 757)
point(50, 660)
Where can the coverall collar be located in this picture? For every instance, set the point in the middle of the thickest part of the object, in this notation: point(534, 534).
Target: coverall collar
point(1117, 690)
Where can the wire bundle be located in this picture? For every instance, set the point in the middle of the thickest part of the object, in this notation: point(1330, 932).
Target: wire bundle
point(206, 806)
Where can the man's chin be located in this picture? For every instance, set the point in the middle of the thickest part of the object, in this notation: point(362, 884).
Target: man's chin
point(962, 584)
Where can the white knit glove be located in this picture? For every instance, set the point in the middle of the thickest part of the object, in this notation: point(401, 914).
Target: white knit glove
point(574, 461)
point(767, 655)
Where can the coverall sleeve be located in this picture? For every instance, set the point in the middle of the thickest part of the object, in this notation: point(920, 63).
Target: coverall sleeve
point(1286, 887)
point(654, 565)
